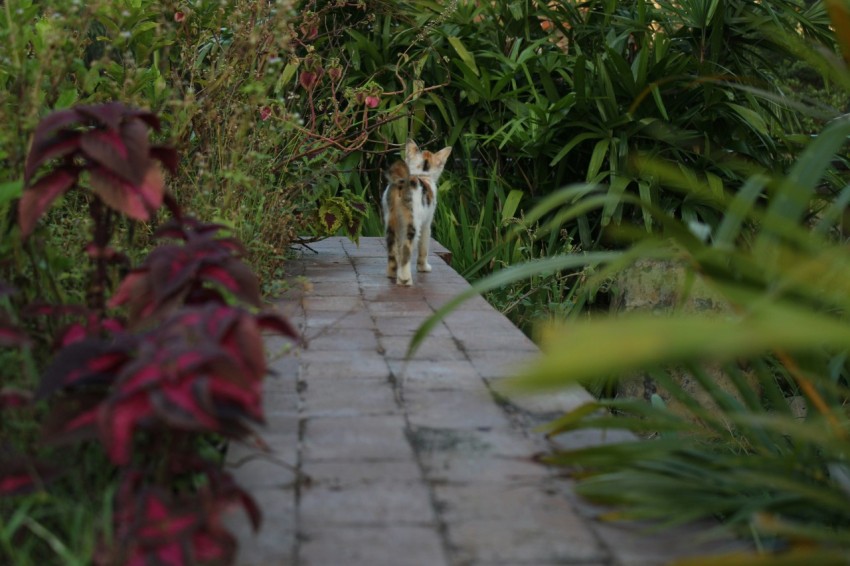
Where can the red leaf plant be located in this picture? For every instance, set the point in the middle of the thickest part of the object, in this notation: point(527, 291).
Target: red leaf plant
point(191, 273)
point(201, 370)
point(110, 142)
point(155, 526)
point(188, 362)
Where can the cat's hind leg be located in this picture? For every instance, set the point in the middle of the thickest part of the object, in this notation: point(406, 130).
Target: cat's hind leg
point(392, 260)
point(405, 255)
point(424, 239)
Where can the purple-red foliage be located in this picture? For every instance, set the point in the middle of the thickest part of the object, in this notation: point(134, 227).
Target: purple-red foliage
point(110, 142)
point(155, 526)
point(187, 361)
point(201, 370)
point(189, 273)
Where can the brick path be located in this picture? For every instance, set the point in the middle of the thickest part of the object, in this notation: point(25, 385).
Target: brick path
point(414, 463)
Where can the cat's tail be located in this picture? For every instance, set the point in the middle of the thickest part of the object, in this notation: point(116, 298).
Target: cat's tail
point(398, 176)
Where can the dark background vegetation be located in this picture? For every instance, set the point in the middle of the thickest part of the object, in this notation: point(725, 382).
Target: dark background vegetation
point(676, 130)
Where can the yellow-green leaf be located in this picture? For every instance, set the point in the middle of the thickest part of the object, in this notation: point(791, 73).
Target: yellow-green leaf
point(465, 55)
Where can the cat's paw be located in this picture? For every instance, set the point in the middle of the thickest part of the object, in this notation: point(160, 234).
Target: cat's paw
point(424, 267)
point(391, 272)
point(404, 282)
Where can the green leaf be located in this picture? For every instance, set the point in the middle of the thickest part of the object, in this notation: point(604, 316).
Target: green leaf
point(505, 277)
point(10, 190)
point(511, 204)
point(465, 55)
point(571, 145)
point(285, 77)
point(792, 197)
point(600, 152)
point(66, 99)
point(659, 103)
point(618, 187)
point(751, 117)
point(738, 211)
point(646, 340)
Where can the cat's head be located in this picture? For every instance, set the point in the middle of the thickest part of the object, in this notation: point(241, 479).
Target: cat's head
point(425, 162)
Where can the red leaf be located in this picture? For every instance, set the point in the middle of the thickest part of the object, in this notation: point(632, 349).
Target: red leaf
point(128, 288)
point(74, 333)
point(85, 421)
point(109, 114)
point(237, 278)
point(113, 325)
point(152, 188)
point(163, 526)
point(279, 324)
point(135, 137)
point(178, 406)
point(60, 145)
point(53, 122)
point(135, 202)
point(16, 483)
point(167, 156)
point(308, 80)
point(247, 400)
point(107, 147)
point(245, 344)
point(87, 361)
point(12, 398)
point(145, 116)
point(220, 547)
point(11, 336)
point(118, 420)
point(38, 197)
point(330, 220)
point(252, 509)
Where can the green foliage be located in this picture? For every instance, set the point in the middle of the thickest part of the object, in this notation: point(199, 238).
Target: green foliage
point(776, 252)
point(536, 96)
point(778, 256)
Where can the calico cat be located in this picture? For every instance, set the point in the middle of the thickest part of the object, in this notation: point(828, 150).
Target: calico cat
point(409, 202)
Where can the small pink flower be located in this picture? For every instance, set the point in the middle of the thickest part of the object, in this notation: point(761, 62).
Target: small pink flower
point(372, 101)
point(265, 113)
point(179, 16)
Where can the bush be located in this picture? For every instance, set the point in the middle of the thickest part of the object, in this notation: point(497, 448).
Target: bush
point(741, 454)
point(186, 363)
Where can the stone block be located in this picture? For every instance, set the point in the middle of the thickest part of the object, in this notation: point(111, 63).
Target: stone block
point(356, 438)
point(454, 409)
point(348, 397)
point(388, 546)
point(374, 504)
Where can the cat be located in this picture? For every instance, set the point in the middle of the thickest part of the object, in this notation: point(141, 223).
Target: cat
point(409, 202)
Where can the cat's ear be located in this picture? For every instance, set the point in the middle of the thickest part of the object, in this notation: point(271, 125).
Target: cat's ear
point(442, 156)
point(410, 150)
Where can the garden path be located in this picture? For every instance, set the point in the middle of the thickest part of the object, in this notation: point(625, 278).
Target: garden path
point(418, 462)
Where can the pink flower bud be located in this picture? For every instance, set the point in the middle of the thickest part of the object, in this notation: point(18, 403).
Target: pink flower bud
point(309, 79)
point(265, 113)
point(179, 16)
point(372, 101)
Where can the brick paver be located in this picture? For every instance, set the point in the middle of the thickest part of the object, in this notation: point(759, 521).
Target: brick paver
point(377, 460)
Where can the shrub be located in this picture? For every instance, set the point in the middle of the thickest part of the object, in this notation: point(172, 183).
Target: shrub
point(187, 362)
point(740, 454)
